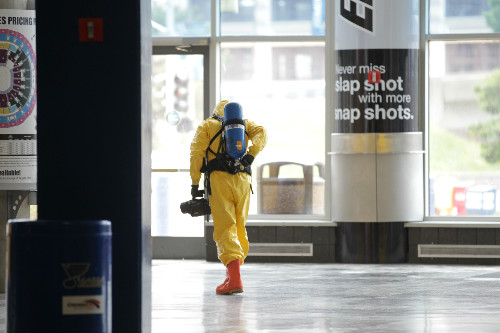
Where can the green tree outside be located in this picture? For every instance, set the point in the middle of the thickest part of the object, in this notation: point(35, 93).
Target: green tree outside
point(492, 16)
point(489, 132)
point(489, 99)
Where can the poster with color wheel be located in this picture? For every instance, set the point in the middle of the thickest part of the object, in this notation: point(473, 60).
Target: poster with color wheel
point(17, 100)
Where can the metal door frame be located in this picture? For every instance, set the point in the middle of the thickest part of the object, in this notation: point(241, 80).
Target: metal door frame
point(171, 247)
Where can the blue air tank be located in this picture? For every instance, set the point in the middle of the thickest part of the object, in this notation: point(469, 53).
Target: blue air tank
point(234, 128)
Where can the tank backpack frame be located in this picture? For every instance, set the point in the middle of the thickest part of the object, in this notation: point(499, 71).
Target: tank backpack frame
point(222, 161)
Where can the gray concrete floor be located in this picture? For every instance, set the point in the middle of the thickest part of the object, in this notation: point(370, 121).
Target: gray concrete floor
point(324, 298)
point(327, 298)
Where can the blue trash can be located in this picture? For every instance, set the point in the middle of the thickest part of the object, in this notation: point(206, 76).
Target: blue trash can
point(58, 276)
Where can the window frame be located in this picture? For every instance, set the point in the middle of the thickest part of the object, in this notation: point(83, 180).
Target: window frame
point(214, 95)
point(426, 37)
point(215, 39)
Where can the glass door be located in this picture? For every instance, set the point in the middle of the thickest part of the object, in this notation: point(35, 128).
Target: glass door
point(179, 104)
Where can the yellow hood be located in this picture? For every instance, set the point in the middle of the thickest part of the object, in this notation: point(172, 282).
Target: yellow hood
point(219, 109)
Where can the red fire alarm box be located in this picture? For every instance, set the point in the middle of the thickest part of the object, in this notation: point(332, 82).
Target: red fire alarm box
point(90, 29)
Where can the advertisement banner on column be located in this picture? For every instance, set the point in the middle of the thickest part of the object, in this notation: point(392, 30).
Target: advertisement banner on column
point(17, 99)
point(376, 68)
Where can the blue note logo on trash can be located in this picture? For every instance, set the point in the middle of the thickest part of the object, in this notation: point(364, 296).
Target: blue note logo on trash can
point(76, 279)
point(75, 276)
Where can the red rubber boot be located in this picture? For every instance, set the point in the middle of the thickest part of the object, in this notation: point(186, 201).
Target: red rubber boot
point(223, 283)
point(233, 282)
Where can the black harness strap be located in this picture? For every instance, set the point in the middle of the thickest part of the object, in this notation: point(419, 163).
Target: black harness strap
point(222, 162)
point(233, 121)
point(212, 141)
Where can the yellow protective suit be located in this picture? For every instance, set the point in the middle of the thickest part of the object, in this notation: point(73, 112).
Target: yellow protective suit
point(230, 198)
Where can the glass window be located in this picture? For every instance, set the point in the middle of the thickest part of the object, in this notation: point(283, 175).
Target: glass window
point(464, 16)
point(287, 96)
point(177, 92)
point(177, 109)
point(237, 62)
point(180, 18)
point(466, 7)
point(291, 63)
point(296, 10)
point(272, 17)
point(464, 128)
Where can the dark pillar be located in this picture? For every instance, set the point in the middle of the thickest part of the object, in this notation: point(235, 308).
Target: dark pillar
point(94, 134)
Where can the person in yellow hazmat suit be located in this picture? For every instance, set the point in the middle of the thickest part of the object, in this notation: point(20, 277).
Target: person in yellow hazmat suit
point(229, 191)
